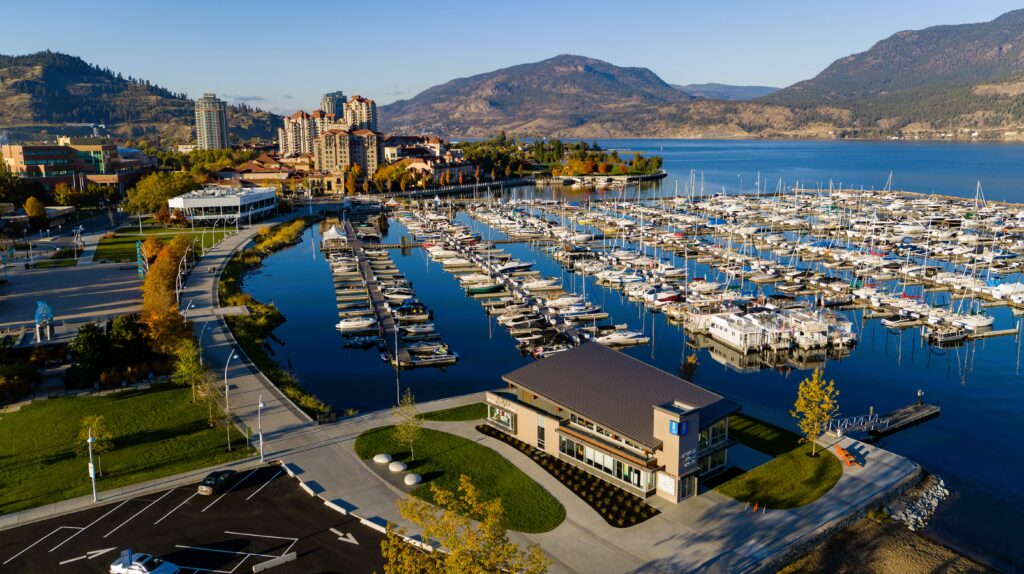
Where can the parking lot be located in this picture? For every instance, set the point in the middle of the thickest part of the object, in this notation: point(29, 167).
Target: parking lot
point(259, 515)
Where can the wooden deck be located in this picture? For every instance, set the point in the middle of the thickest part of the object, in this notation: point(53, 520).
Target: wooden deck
point(907, 416)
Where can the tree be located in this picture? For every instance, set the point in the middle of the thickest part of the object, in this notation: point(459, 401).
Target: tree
point(408, 423)
point(11, 188)
point(188, 366)
point(153, 191)
point(36, 211)
point(494, 174)
point(102, 439)
point(469, 529)
point(126, 338)
point(350, 183)
point(815, 405)
point(89, 352)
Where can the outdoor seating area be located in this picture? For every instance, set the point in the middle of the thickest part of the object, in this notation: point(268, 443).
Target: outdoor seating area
point(848, 458)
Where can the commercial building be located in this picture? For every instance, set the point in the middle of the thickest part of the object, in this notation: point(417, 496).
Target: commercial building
point(228, 205)
point(399, 147)
point(211, 123)
point(76, 162)
point(331, 104)
point(335, 150)
point(618, 418)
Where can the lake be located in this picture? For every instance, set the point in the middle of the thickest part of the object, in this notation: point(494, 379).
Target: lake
point(973, 445)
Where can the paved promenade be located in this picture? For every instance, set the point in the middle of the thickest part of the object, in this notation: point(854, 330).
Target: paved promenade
point(708, 533)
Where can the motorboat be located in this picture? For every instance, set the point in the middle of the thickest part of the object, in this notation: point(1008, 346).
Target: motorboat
point(356, 324)
point(412, 311)
point(514, 265)
point(418, 328)
point(622, 338)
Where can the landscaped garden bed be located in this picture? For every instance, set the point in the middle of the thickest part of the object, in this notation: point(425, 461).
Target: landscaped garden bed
point(618, 507)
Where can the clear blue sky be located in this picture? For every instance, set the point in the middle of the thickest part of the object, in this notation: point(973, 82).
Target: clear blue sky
point(284, 55)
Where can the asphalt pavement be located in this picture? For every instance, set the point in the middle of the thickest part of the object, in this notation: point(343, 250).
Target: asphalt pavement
point(259, 515)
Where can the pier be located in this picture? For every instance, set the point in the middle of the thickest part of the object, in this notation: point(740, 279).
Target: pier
point(907, 416)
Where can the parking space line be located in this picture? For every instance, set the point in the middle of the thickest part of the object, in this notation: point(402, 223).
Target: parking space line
point(265, 484)
point(86, 527)
point(223, 552)
point(236, 485)
point(56, 530)
point(175, 509)
point(294, 540)
point(138, 513)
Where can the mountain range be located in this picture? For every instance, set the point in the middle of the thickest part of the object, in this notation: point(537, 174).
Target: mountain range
point(42, 93)
point(956, 81)
point(943, 81)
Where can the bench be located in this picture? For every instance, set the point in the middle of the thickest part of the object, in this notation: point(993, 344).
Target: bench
point(847, 457)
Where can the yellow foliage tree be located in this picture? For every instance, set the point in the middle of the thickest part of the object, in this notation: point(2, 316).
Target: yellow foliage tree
point(470, 530)
point(816, 404)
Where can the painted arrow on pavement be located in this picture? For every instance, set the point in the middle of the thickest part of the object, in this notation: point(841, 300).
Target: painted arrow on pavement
point(345, 537)
point(89, 555)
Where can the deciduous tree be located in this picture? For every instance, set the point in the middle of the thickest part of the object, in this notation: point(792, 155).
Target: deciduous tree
point(153, 191)
point(36, 211)
point(102, 438)
point(408, 424)
point(816, 404)
point(471, 531)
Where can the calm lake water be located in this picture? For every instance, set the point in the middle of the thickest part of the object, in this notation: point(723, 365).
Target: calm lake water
point(974, 444)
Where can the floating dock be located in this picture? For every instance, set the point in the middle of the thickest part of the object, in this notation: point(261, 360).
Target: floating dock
point(907, 416)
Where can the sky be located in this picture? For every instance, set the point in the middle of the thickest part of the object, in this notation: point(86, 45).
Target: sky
point(284, 55)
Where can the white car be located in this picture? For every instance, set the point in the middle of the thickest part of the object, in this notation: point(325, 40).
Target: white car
point(142, 564)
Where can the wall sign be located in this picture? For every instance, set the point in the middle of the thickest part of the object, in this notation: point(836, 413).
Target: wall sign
point(677, 428)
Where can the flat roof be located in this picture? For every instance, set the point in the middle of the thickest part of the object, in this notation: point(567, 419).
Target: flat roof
point(215, 191)
point(615, 390)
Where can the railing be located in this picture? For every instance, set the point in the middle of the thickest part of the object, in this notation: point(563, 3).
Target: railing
point(863, 423)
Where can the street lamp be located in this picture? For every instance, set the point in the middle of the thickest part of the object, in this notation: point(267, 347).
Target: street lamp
point(259, 422)
point(92, 469)
point(190, 305)
point(227, 398)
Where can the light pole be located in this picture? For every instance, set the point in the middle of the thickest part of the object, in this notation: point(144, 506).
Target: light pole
point(200, 340)
point(92, 469)
point(227, 398)
point(259, 422)
point(187, 307)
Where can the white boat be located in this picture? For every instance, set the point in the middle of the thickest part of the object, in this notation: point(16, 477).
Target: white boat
point(514, 265)
point(619, 338)
point(356, 324)
point(418, 329)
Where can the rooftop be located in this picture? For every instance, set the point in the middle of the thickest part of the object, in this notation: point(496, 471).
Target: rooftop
point(225, 191)
point(616, 390)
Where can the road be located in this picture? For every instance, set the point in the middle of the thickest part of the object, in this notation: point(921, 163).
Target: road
point(261, 514)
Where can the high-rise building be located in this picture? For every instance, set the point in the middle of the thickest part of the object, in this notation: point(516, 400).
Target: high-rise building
point(360, 114)
point(299, 130)
point(332, 103)
point(211, 122)
point(336, 149)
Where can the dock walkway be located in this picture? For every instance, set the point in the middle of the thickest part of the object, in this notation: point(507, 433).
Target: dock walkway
point(386, 325)
point(909, 415)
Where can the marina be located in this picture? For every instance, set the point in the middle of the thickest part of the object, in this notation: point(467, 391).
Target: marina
point(970, 378)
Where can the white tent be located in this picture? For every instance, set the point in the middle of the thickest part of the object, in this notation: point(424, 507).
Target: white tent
point(331, 234)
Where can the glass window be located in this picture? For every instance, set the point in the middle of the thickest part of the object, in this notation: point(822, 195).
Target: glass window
point(540, 437)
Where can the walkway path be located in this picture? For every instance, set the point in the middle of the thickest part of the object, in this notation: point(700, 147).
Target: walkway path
point(708, 533)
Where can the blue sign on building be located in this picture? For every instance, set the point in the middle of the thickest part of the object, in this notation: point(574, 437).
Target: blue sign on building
point(677, 428)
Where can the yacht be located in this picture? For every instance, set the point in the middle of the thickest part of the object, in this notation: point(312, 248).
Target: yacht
point(356, 324)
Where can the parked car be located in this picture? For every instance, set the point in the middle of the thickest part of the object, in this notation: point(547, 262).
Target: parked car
point(142, 564)
point(215, 481)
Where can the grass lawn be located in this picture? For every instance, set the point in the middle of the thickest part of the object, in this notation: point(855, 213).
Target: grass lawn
point(56, 263)
point(156, 433)
point(122, 247)
point(789, 480)
point(442, 457)
point(475, 411)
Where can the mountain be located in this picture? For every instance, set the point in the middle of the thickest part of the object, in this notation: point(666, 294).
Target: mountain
point(962, 76)
point(41, 92)
point(945, 81)
point(563, 94)
point(725, 91)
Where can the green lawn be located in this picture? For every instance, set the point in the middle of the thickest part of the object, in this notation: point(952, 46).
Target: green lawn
point(762, 436)
point(56, 263)
point(122, 247)
point(156, 433)
point(475, 411)
point(791, 478)
point(442, 457)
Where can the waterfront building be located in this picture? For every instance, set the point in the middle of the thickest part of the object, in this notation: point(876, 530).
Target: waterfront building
point(229, 205)
point(360, 114)
point(618, 418)
point(211, 123)
point(335, 150)
point(400, 147)
point(332, 103)
point(437, 167)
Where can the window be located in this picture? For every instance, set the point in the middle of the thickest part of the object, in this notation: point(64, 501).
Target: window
point(540, 437)
point(688, 486)
point(502, 418)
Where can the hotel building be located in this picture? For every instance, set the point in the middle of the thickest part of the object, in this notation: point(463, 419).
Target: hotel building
point(360, 114)
point(618, 418)
point(336, 149)
point(211, 123)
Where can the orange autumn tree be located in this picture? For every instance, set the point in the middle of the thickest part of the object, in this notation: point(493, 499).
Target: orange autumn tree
point(165, 326)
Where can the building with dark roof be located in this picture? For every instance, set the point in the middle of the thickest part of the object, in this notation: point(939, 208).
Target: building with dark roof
point(629, 423)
